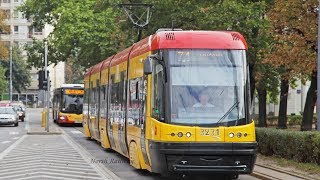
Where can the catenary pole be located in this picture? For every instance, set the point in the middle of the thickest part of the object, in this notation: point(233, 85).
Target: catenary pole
point(318, 73)
point(10, 83)
point(48, 88)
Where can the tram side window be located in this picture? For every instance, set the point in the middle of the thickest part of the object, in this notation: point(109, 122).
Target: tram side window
point(122, 97)
point(133, 112)
point(86, 101)
point(158, 92)
point(123, 88)
point(115, 105)
point(103, 101)
point(92, 109)
point(97, 97)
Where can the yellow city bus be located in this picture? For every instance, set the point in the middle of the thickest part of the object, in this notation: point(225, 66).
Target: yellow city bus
point(67, 104)
point(175, 103)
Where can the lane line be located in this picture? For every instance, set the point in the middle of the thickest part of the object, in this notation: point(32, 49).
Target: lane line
point(27, 122)
point(5, 142)
point(76, 132)
point(10, 148)
point(16, 138)
point(13, 132)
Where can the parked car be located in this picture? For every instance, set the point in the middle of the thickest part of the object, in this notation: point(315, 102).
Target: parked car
point(5, 103)
point(8, 116)
point(20, 109)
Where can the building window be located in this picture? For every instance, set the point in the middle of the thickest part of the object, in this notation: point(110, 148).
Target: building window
point(16, 1)
point(16, 14)
point(5, 1)
point(37, 31)
point(16, 29)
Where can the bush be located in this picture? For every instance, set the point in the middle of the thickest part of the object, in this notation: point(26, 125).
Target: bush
point(272, 120)
point(299, 146)
point(295, 120)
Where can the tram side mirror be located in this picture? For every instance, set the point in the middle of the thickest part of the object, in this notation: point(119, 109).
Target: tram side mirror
point(147, 69)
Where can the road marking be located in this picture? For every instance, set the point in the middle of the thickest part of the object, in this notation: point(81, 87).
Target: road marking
point(12, 133)
point(27, 123)
point(5, 142)
point(76, 132)
point(102, 170)
point(10, 148)
point(16, 138)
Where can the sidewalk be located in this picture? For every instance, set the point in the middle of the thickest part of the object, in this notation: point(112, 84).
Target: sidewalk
point(49, 155)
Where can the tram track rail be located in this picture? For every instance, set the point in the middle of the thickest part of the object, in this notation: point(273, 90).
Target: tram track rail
point(271, 173)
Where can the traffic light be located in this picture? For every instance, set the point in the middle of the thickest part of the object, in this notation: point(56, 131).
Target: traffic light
point(43, 82)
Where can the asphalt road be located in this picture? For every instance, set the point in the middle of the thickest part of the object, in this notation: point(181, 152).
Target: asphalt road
point(10, 134)
point(119, 164)
point(110, 159)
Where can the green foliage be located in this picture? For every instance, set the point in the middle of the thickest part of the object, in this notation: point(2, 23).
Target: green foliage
point(86, 29)
point(3, 81)
point(295, 120)
point(20, 72)
point(295, 145)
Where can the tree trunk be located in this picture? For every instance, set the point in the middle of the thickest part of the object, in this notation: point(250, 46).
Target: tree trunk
point(262, 95)
point(252, 81)
point(310, 104)
point(282, 119)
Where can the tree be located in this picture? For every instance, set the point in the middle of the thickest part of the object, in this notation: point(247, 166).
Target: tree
point(74, 72)
point(3, 81)
point(75, 29)
point(246, 17)
point(4, 53)
point(20, 72)
point(94, 33)
point(295, 23)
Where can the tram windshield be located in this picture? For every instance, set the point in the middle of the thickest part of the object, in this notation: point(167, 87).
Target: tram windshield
point(207, 86)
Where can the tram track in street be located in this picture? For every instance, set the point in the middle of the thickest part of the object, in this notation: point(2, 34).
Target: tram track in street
point(271, 173)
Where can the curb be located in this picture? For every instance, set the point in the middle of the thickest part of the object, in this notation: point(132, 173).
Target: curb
point(262, 176)
point(36, 130)
point(43, 133)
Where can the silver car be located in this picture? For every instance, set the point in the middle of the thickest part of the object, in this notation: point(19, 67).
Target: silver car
point(8, 116)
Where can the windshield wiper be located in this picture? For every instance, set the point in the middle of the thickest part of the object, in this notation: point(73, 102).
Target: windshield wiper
point(232, 107)
point(228, 112)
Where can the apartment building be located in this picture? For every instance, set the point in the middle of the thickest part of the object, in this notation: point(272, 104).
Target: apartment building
point(21, 34)
point(296, 101)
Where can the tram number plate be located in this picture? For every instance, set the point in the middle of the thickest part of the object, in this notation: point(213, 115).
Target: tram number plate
point(209, 132)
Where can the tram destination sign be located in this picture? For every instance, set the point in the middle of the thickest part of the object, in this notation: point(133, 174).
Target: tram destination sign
point(74, 91)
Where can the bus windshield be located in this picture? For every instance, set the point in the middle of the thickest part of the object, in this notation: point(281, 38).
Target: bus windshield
point(207, 86)
point(72, 103)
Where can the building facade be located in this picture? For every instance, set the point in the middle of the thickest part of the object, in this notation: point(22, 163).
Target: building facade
point(296, 101)
point(21, 34)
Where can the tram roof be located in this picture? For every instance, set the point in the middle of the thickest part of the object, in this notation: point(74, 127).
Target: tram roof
point(96, 68)
point(198, 40)
point(106, 63)
point(88, 72)
point(175, 40)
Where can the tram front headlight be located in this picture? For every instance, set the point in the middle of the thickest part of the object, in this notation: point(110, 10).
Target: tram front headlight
point(188, 134)
point(239, 134)
point(180, 134)
point(231, 135)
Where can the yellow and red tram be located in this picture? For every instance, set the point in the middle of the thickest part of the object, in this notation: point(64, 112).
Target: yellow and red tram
point(176, 102)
